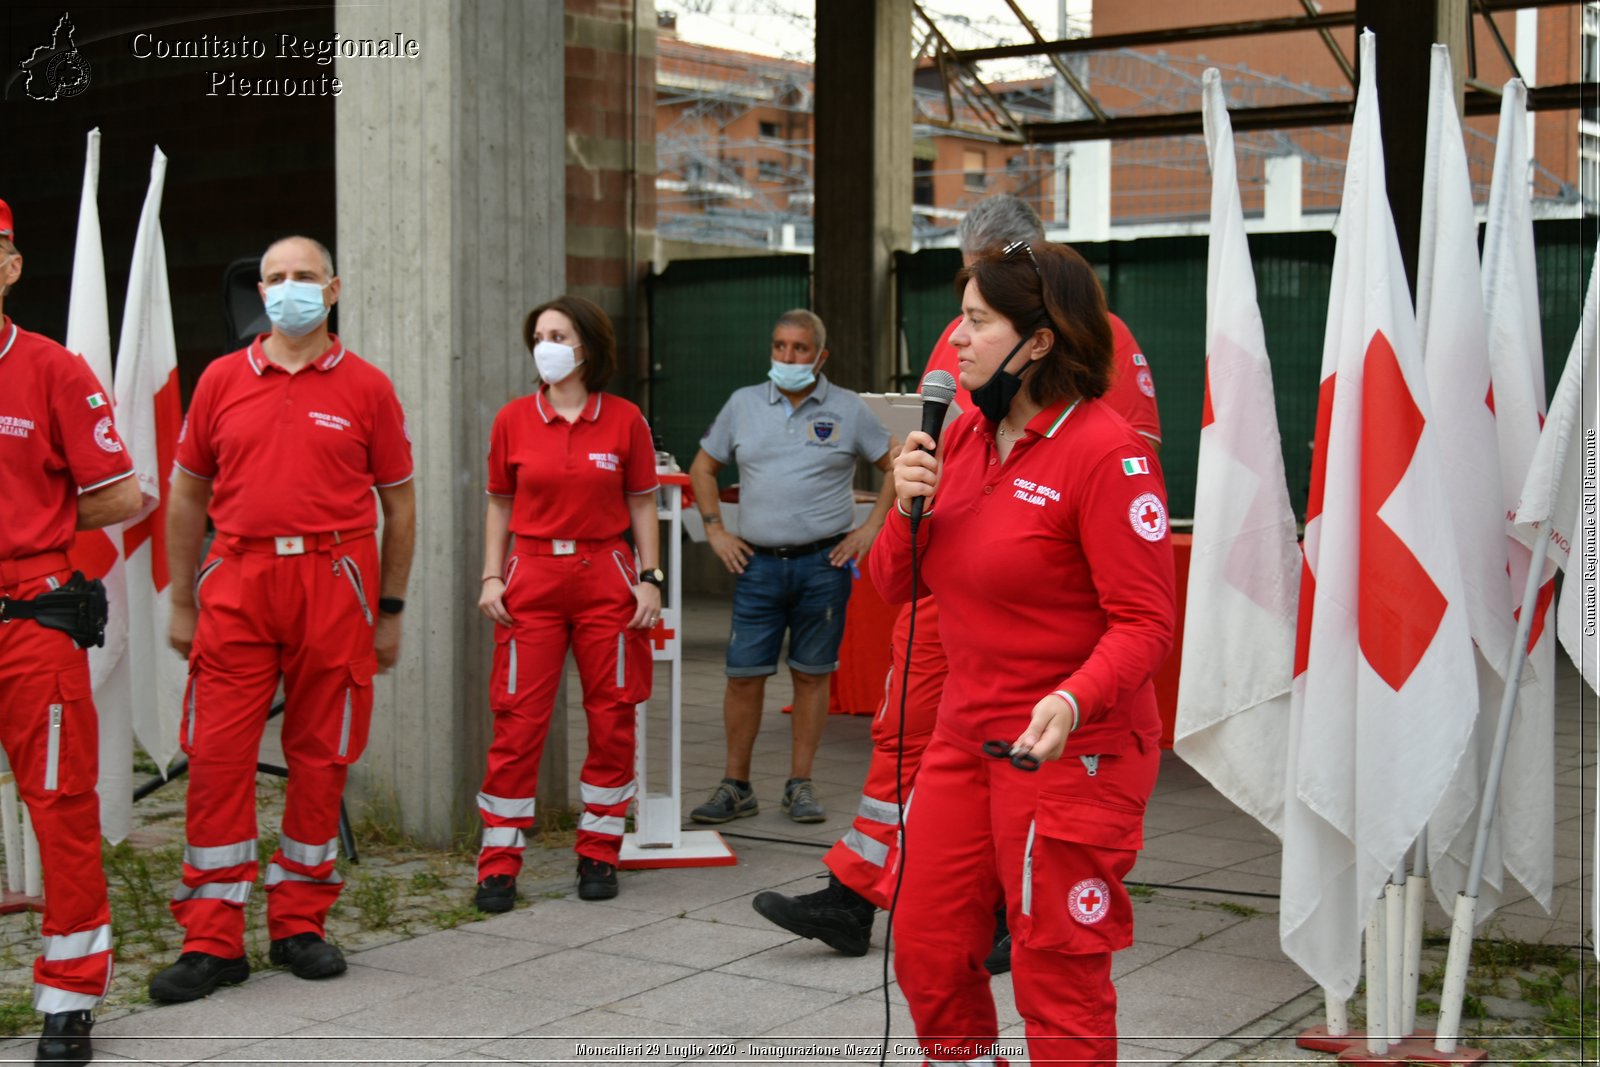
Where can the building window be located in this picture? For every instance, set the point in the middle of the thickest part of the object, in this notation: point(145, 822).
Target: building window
point(769, 170)
point(1591, 60)
point(1589, 172)
point(922, 182)
point(769, 131)
point(973, 170)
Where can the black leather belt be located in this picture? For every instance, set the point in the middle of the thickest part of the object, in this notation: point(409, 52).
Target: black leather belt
point(796, 551)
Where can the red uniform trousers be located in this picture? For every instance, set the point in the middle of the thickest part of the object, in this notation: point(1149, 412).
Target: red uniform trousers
point(1055, 845)
point(51, 736)
point(584, 599)
point(310, 618)
point(862, 857)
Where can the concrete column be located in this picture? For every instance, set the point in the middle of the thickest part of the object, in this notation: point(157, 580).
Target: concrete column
point(862, 181)
point(1089, 174)
point(1282, 207)
point(450, 195)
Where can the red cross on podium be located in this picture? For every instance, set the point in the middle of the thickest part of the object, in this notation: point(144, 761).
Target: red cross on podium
point(660, 635)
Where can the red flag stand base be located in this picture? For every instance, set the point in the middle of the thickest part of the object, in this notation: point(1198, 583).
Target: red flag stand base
point(1418, 1048)
point(1317, 1039)
point(11, 903)
point(695, 848)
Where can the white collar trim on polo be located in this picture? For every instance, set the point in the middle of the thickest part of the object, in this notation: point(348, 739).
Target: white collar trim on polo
point(11, 339)
point(259, 365)
point(591, 411)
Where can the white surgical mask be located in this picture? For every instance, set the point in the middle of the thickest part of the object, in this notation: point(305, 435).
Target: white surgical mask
point(555, 361)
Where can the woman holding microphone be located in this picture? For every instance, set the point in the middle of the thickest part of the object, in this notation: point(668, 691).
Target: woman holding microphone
point(1045, 539)
point(570, 469)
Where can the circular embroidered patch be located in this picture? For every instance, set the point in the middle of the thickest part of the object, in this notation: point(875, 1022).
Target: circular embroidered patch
point(104, 437)
point(1147, 384)
point(1148, 516)
point(1090, 901)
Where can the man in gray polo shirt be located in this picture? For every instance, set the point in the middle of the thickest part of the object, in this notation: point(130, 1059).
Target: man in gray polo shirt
point(795, 439)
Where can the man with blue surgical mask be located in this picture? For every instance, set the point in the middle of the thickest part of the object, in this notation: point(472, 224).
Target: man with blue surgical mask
point(292, 446)
point(796, 439)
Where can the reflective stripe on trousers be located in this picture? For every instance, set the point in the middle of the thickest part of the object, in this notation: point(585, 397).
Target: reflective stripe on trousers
point(507, 807)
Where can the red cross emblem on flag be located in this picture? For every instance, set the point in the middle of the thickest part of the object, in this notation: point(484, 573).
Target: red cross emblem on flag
point(664, 636)
point(1090, 901)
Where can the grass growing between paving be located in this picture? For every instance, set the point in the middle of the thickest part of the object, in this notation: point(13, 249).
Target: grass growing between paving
point(399, 889)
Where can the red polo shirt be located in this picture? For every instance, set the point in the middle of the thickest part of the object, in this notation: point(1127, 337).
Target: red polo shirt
point(1052, 571)
point(294, 453)
point(566, 479)
point(56, 440)
point(1132, 393)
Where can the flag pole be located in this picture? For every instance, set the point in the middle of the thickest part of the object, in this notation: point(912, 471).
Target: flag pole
point(1377, 984)
point(1394, 943)
point(1459, 958)
point(1416, 901)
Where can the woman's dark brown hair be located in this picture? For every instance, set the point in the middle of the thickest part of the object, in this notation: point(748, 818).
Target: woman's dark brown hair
point(599, 340)
point(1053, 288)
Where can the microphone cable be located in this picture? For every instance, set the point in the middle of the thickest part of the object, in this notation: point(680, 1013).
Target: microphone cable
point(899, 791)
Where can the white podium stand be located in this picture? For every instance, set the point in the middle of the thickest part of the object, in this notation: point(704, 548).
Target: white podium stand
point(658, 838)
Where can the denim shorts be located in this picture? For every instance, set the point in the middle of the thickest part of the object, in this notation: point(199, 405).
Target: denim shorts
point(806, 597)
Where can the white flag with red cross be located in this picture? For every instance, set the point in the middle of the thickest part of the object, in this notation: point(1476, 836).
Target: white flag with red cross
point(96, 552)
point(1453, 323)
point(1384, 691)
point(149, 416)
point(1233, 693)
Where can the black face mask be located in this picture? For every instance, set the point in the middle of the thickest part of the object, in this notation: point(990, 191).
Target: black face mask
point(994, 396)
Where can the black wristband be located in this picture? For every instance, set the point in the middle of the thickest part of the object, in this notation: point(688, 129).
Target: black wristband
point(391, 605)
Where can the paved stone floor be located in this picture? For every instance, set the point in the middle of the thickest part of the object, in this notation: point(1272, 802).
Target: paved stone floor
point(680, 969)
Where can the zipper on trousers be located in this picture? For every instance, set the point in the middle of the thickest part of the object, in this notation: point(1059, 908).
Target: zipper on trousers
point(622, 661)
point(52, 752)
point(511, 667)
point(1027, 871)
point(194, 685)
point(344, 727)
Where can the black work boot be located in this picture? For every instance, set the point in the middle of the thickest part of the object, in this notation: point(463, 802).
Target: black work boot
point(597, 879)
point(196, 975)
point(496, 893)
point(307, 956)
point(837, 916)
point(66, 1038)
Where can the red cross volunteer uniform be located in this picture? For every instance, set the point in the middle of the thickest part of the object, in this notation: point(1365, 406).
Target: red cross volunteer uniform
point(1053, 572)
point(290, 586)
point(861, 858)
point(569, 579)
point(57, 440)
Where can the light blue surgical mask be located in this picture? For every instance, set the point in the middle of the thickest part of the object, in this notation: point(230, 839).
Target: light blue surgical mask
point(296, 307)
point(792, 377)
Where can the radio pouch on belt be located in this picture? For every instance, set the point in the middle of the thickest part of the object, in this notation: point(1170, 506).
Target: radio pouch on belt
point(78, 609)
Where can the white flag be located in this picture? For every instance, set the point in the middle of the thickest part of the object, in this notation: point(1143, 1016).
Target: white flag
point(1244, 570)
point(1559, 497)
point(1559, 503)
point(149, 416)
point(1522, 838)
point(1384, 692)
point(97, 553)
point(1451, 319)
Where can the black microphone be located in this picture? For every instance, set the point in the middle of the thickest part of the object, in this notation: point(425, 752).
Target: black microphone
point(938, 390)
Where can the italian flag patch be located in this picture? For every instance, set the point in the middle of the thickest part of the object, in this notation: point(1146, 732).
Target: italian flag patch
point(96, 400)
point(1136, 465)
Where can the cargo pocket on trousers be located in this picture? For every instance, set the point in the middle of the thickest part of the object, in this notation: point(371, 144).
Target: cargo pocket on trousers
point(1077, 853)
point(72, 737)
point(355, 716)
point(635, 669)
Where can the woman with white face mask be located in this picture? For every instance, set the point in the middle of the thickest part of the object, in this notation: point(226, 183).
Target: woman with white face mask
point(570, 469)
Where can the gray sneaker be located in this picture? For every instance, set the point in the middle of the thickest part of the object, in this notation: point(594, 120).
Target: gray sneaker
point(728, 802)
point(800, 801)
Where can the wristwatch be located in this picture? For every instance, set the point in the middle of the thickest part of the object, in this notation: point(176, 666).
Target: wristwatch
point(391, 605)
point(654, 576)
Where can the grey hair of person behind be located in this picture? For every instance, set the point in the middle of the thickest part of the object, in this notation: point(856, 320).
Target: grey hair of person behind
point(806, 320)
point(327, 256)
point(995, 222)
